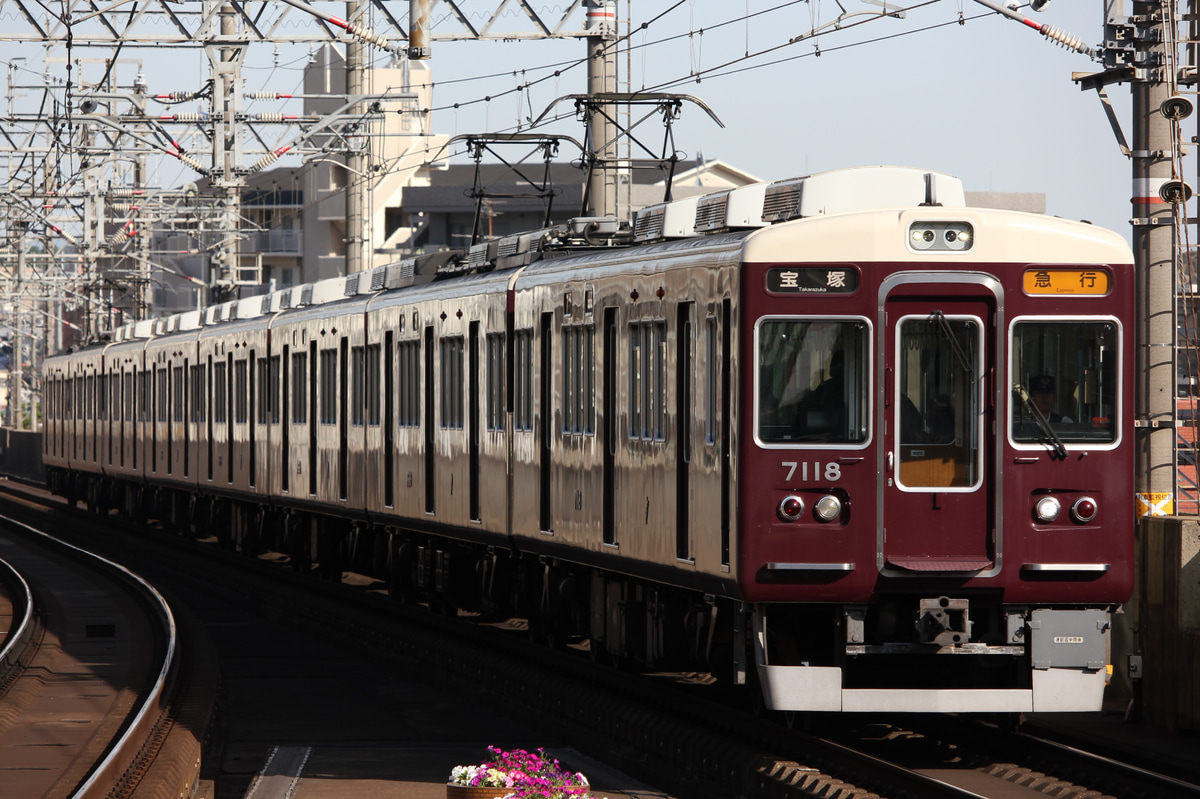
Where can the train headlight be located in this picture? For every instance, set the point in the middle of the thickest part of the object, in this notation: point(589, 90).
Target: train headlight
point(1084, 510)
point(941, 236)
point(828, 508)
point(1047, 509)
point(791, 508)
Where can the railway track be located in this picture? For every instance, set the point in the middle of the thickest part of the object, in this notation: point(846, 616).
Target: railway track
point(92, 678)
point(665, 737)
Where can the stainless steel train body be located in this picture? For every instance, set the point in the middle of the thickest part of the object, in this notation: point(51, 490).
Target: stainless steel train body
point(815, 455)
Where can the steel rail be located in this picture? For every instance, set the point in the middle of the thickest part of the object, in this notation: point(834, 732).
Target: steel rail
point(21, 633)
point(123, 753)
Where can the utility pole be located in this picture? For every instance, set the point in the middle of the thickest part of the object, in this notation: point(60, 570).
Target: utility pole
point(602, 70)
point(227, 153)
point(357, 185)
point(1154, 190)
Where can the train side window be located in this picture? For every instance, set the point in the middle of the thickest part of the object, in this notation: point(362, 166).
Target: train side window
point(451, 416)
point(523, 388)
point(358, 379)
point(374, 352)
point(273, 385)
point(409, 411)
point(198, 406)
point(578, 376)
point(811, 381)
point(177, 394)
point(647, 380)
point(220, 391)
point(1065, 380)
point(102, 398)
point(300, 388)
point(241, 392)
point(329, 376)
point(495, 381)
point(262, 399)
point(160, 386)
point(710, 381)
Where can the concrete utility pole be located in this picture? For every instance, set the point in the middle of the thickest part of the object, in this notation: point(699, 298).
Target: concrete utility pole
point(602, 78)
point(227, 151)
point(1154, 189)
point(358, 251)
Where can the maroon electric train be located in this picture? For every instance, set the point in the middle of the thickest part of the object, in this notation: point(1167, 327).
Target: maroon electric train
point(841, 437)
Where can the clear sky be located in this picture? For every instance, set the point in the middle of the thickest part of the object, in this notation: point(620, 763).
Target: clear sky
point(990, 100)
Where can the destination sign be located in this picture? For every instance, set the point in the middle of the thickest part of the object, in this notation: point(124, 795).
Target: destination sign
point(1089, 282)
point(812, 280)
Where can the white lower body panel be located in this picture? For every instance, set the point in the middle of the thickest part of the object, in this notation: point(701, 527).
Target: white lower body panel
point(814, 688)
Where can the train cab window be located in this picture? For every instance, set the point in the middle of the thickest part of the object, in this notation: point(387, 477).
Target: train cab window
point(937, 410)
point(1064, 381)
point(811, 381)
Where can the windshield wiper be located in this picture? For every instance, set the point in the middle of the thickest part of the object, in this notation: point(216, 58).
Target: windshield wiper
point(959, 352)
point(1042, 422)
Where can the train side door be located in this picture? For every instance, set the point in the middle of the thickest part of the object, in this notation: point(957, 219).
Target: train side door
point(939, 483)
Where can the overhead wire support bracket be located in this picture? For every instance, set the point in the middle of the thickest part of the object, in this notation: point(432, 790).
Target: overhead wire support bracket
point(480, 143)
point(1049, 31)
point(667, 104)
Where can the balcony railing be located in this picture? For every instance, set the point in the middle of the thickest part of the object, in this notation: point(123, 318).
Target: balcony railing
point(274, 241)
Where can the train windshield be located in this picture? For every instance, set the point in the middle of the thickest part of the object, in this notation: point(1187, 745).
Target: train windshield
point(812, 381)
point(1064, 381)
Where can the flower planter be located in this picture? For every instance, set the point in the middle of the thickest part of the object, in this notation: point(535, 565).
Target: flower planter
point(469, 792)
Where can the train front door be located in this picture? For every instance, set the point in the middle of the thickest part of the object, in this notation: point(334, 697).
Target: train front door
point(938, 346)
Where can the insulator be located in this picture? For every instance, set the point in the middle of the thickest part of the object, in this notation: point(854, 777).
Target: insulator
point(267, 96)
point(183, 117)
point(192, 162)
point(264, 162)
point(267, 117)
point(177, 97)
point(122, 207)
point(1065, 39)
point(118, 238)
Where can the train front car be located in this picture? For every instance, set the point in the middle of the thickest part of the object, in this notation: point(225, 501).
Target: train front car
point(935, 502)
